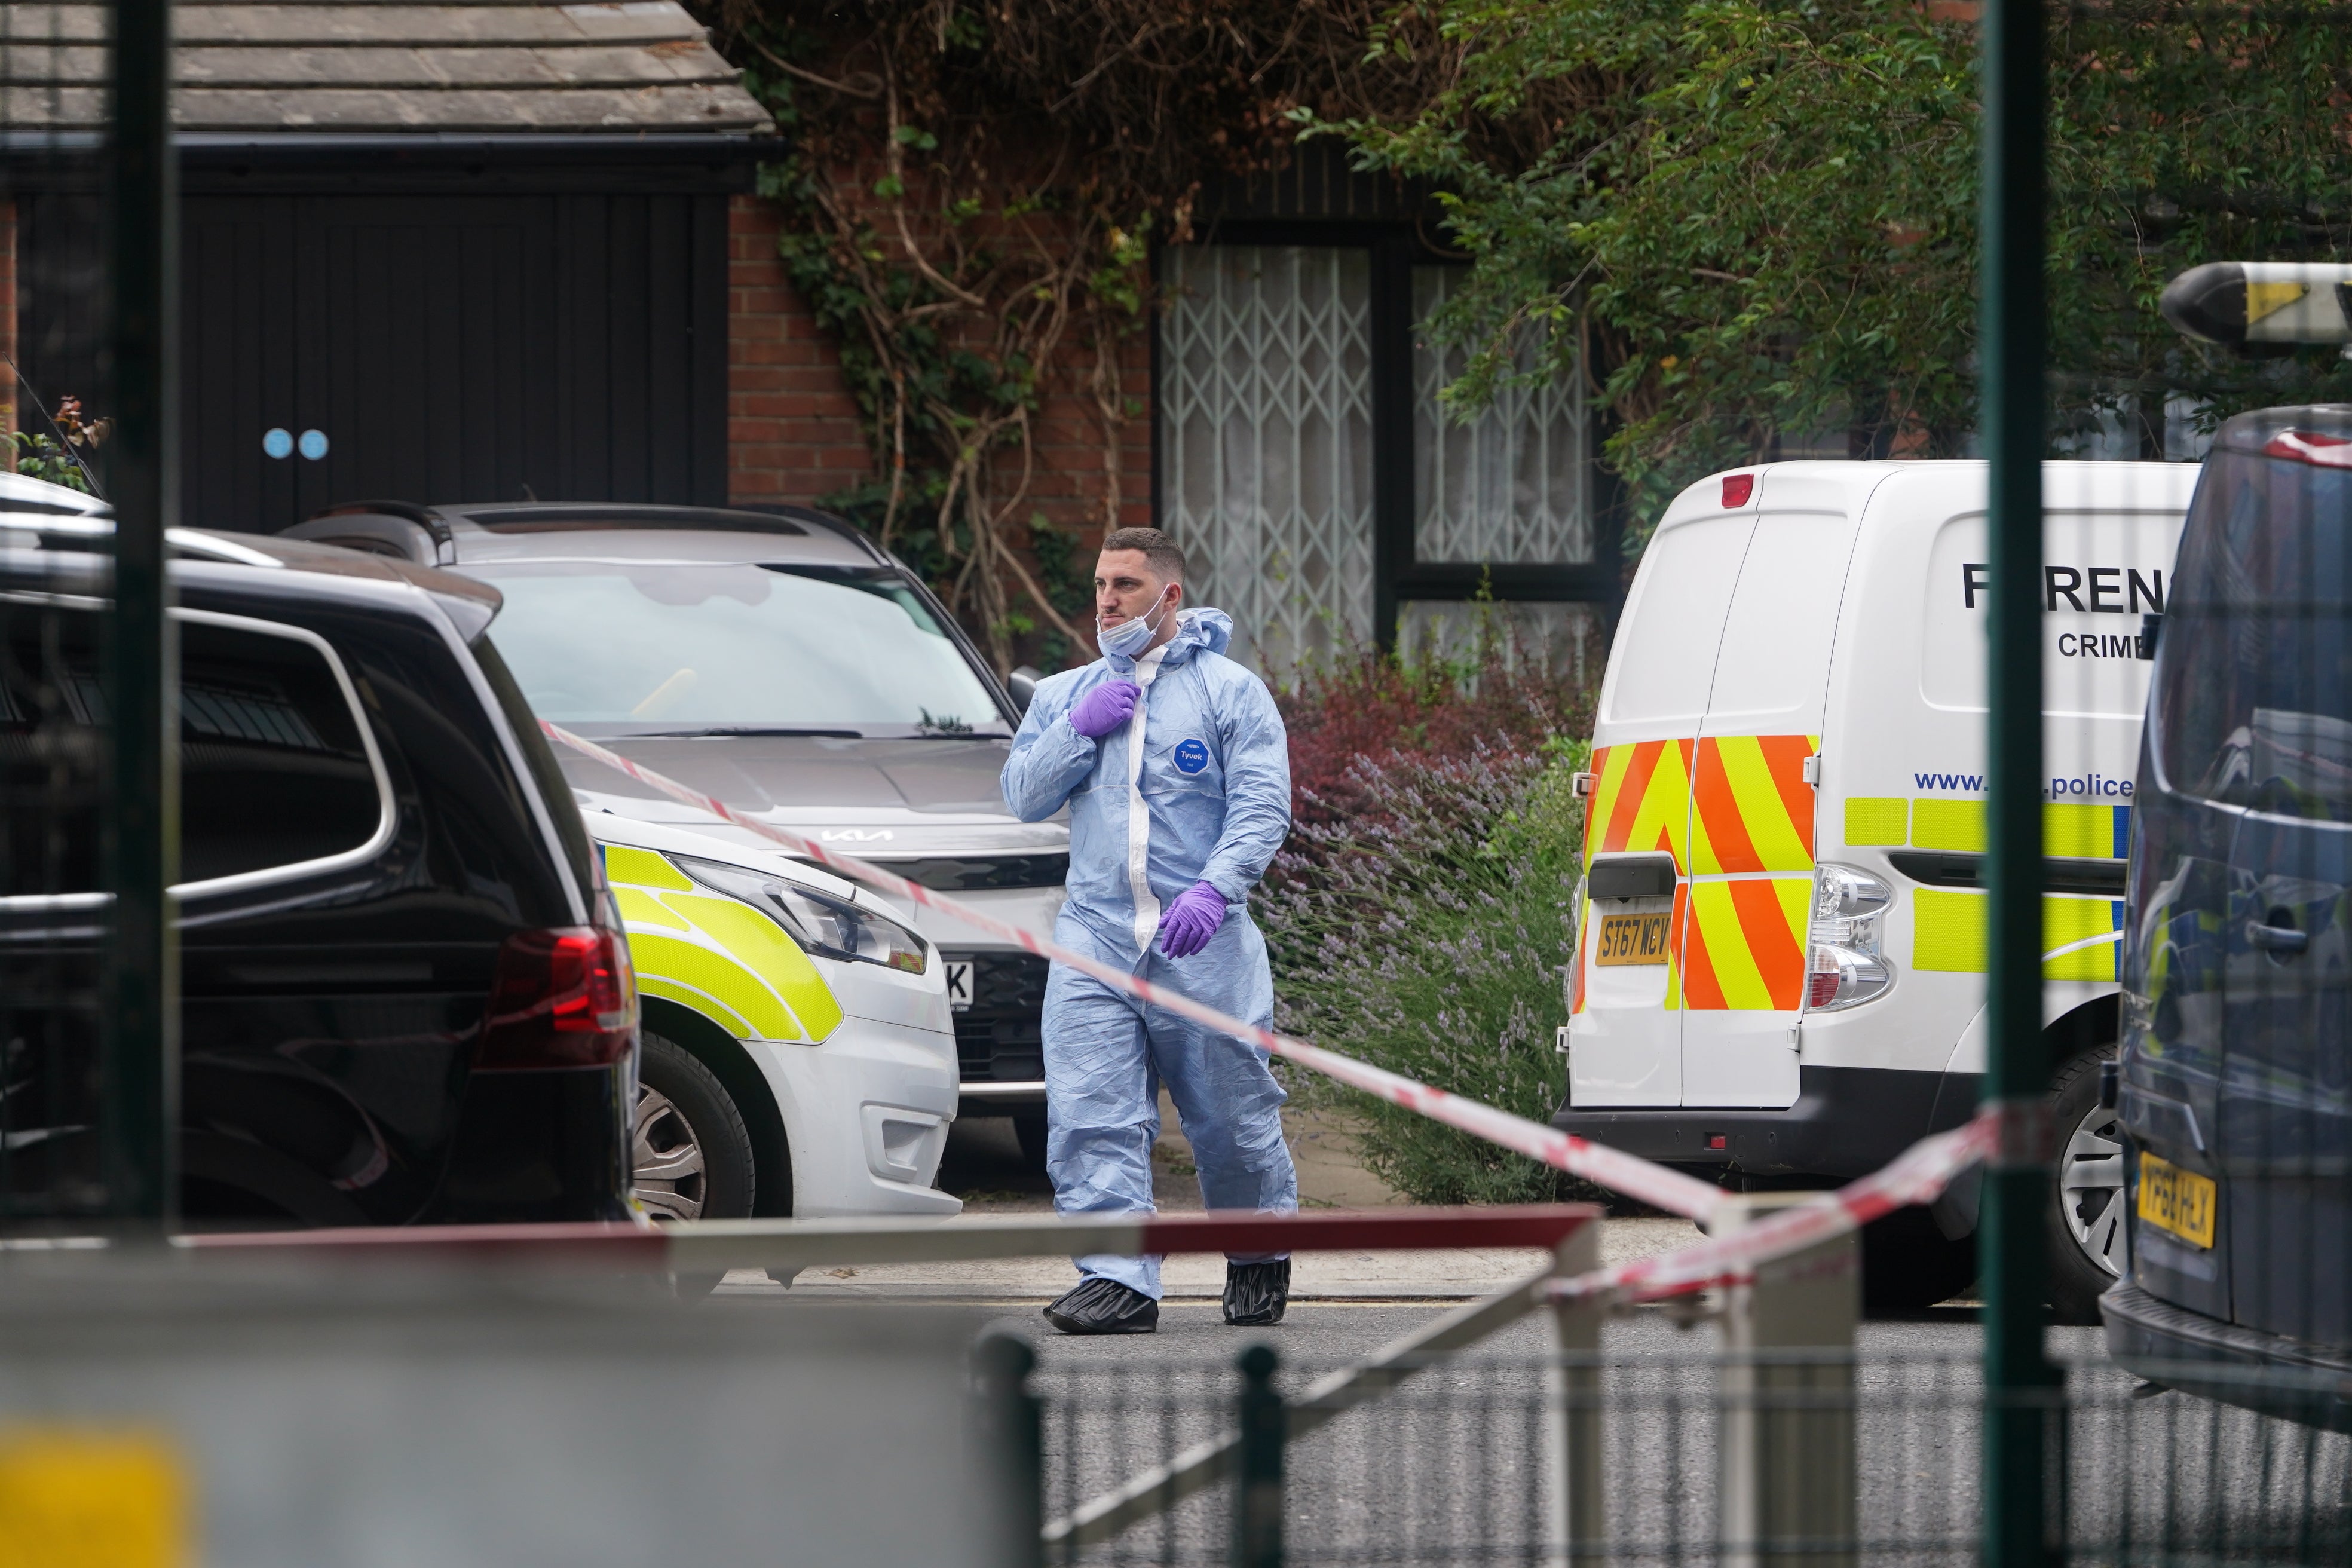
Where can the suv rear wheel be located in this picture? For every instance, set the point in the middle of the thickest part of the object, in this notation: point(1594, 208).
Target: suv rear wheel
point(691, 1152)
point(2086, 1218)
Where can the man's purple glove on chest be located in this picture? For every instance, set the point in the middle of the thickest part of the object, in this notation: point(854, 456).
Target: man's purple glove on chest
point(1105, 709)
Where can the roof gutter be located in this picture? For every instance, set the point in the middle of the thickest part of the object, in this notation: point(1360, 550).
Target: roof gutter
point(213, 161)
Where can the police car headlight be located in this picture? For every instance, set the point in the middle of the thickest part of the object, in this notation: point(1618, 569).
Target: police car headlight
point(1845, 958)
point(821, 924)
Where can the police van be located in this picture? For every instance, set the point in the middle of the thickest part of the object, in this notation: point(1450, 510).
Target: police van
point(1780, 973)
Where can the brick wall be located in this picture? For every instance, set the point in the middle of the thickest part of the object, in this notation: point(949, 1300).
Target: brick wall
point(793, 432)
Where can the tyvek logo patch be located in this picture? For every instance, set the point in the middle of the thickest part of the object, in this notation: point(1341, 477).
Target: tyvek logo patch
point(1190, 757)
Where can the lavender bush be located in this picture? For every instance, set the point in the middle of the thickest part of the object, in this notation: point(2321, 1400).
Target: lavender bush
point(1427, 929)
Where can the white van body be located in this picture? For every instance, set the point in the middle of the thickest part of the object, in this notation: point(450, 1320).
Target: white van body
point(1797, 683)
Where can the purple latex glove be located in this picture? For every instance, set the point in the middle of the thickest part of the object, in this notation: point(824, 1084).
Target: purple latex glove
point(1192, 920)
point(1105, 709)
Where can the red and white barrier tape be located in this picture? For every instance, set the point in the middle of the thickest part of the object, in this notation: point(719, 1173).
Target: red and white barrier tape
point(1620, 1172)
point(1917, 1175)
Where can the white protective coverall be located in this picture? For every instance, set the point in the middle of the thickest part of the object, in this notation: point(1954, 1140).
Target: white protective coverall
point(1196, 788)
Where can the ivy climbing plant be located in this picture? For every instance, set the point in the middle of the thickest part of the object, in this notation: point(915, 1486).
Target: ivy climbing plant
point(969, 199)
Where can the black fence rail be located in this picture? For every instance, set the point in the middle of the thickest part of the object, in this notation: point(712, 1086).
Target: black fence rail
point(1460, 1464)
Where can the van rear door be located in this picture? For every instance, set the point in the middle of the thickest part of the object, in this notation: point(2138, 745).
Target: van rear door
point(1625, 1020)
point(1751, 831)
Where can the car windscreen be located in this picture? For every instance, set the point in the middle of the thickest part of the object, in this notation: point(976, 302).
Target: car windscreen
point(2255, 703)
point(652, 648)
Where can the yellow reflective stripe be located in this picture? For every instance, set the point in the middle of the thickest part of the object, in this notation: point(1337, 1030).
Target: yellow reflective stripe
point(714, 973)
point(2085, 832)
point(1735, 974)
point(624, 863)
point(1949, 936)
point(1947, 930)
point(1762, 811)
point(2077, 832)
point(2066, 921)
point(642, 908)
point(1614, 762)
point(1877, 819)
point(1949, 824)
point(702, 1002)
point(760, 943)
point(1666, 808)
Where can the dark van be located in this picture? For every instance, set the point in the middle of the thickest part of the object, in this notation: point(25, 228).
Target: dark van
point(406, 995)
point(2235, 1084)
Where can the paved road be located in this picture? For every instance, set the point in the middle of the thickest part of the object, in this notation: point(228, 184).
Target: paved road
point(1450, 1468)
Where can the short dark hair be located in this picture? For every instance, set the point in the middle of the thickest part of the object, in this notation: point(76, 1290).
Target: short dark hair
point(1165, 559)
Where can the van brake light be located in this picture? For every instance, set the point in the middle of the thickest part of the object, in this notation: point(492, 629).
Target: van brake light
point(1845, 958)
point(1737, 488)
point(561, 998)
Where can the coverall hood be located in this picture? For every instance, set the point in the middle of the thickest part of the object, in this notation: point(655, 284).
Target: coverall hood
point(1202, 627)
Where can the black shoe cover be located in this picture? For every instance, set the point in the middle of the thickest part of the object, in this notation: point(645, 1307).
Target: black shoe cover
point(1256, 1293)
point(1100, 1306)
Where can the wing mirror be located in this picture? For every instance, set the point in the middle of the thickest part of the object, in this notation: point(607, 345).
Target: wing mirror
point(1023, 684)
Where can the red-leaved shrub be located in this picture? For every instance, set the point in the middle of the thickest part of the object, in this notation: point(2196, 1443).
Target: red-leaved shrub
point(1374, 706)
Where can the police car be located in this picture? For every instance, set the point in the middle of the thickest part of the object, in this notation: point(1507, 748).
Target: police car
point(1781, 969)
point(799, 1054)
point(780, 661)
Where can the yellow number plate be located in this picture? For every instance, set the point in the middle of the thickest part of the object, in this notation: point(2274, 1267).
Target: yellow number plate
point(1632, 939)
point(2177, 1200)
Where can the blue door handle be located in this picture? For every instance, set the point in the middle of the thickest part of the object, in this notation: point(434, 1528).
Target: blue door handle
point(2278, 939)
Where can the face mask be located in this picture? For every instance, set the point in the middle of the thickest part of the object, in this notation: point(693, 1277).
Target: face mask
point(1130, 638)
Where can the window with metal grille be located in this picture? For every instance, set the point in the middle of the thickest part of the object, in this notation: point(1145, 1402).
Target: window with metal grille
point(1327, 496)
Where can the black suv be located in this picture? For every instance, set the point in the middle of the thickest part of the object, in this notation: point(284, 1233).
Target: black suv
point(2236, 1076)
point(406, 996)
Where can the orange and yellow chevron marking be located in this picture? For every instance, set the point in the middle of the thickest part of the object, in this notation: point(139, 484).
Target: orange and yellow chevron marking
point(1751, 809)
point(1746, 951)
point(1641, 800)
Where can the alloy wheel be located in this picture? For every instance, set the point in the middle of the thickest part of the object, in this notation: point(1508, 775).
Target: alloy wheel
point(2090, 1188)
point(667, 1178)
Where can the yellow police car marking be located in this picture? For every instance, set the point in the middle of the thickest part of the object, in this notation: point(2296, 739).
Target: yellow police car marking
point(642, 908)
point(92, 1499)
point(2078, 935)
point(709, 970)
point(727, 960)
point(702, 1002)
point(1948, 824)
point(1877, 820)
point(644, 868)
point(761, 942)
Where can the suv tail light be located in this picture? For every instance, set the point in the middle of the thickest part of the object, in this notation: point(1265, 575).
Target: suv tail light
point(1845, 958)
point(561, 998)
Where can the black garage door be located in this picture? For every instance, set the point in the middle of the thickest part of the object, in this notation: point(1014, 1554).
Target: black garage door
point(568, 346)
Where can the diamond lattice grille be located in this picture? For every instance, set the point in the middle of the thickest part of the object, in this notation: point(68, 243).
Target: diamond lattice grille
point(1265, 409)
point(1510, 485)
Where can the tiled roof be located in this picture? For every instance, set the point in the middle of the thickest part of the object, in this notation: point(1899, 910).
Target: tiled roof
point(375, 67)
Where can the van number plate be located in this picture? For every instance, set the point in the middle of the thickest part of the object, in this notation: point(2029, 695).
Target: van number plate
point(2177, 1200)
point(958, 983)
point(1632, 939)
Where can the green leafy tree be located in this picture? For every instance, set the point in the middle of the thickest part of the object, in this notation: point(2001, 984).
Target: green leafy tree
point(1750, 222)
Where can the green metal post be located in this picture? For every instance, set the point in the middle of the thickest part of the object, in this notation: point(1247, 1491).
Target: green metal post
point(2023, 1434)
point(1012, 1447)
point(1258, 1488)
point(139, 1078)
